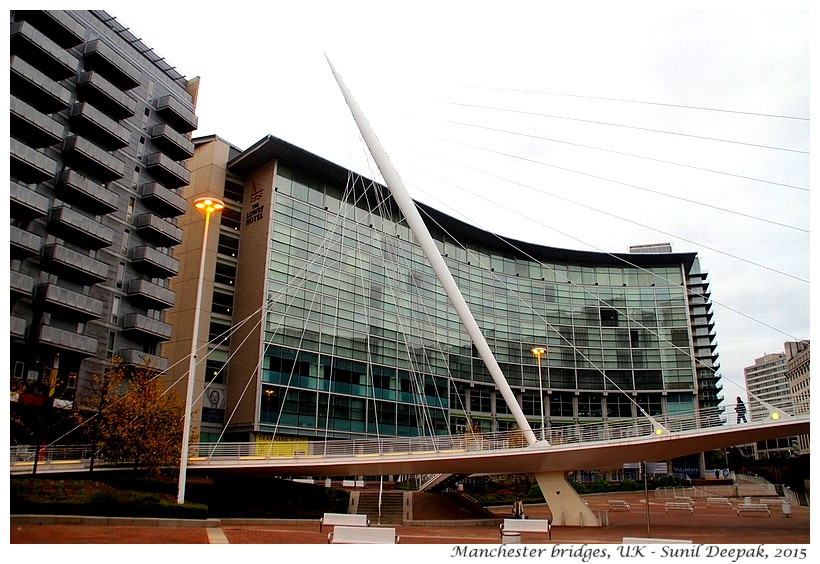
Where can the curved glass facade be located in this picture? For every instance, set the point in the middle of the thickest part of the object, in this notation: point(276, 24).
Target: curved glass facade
point(360, 338)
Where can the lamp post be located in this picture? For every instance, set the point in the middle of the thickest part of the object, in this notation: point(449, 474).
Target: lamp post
point(208, 206)
point(538, 351)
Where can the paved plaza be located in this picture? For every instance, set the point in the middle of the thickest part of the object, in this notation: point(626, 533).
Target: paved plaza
point(716, 525)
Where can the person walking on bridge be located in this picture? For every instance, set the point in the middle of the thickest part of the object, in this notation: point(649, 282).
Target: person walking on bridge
point(740, 409)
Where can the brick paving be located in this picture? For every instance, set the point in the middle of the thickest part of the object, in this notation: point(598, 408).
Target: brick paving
point(717, 525)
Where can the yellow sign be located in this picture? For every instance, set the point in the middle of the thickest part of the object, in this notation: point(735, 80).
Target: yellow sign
point(268, 445)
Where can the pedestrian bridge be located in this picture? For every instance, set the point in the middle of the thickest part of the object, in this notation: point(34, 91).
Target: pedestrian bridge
point(599, 445)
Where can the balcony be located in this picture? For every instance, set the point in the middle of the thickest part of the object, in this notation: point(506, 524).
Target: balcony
point(26, 204)
point(163, 233)
point(22, 286)
point(17, 328)
point(67, 340)
point(71, 225)
point(32, 126)
point(30, 165)
point(72, 265)
point(101, 58)
point(68, 303)
point(173, 144)
point(24, 244)
point(180, 116)
point(154, 263)
point(56, 24)
point(94, 89)
point(83, 155)
point(37, 89)
point(162, 200)
point(90, 122)
point(51, 59)
point(78, 190)
point(143, 327)
point(133, 357)
point(149, 295)
point(167, 171)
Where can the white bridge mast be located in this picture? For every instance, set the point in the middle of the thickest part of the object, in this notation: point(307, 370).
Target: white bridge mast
point(417, 225)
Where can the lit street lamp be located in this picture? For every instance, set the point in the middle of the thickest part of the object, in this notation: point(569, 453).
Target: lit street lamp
point(538, 352)
point(208, 206)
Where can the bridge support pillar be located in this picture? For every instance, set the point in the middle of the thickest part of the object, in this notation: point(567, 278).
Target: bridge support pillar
point(567, 507)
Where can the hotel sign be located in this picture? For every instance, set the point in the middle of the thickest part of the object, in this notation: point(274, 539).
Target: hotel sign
point(257, 209)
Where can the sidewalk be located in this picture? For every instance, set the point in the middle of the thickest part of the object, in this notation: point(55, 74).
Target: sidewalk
point(717, 525)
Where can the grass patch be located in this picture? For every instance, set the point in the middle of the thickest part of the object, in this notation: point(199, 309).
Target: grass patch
point(86, 497)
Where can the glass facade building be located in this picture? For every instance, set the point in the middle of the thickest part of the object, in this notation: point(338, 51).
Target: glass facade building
point(329, 322)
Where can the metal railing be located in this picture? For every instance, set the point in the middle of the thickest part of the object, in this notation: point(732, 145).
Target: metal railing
point(581, 433)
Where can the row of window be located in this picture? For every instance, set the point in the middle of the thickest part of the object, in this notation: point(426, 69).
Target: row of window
point(307, 210)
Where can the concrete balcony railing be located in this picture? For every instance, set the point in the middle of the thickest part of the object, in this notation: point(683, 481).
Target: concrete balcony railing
point(72, 304)
point(102, 58)
point(54, 61)
point(154, 262)
point(146, 328)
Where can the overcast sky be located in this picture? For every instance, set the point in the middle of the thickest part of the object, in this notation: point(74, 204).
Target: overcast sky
point(591, 129)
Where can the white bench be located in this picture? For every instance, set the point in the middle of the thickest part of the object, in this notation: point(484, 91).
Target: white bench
point(525, 526)
point(618, 504)
point(347, 519)
point(753, 509)
point(348, 483)
point(710, 501)
point(363, 535)
point(679, 506)
point(772, 501)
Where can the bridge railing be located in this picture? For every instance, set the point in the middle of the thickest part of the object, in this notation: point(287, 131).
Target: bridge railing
point(583, 432)
point(51, 453)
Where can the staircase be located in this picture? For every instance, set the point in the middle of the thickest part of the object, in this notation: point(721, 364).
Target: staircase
point(392, 507)
point(442, 482)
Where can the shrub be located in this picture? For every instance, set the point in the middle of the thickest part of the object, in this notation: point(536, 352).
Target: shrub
point(600, 486)
point(629, 486)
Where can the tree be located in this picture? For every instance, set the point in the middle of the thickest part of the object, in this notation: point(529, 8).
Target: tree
point(138, 421)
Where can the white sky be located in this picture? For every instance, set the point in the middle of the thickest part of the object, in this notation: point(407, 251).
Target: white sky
point(689, 127)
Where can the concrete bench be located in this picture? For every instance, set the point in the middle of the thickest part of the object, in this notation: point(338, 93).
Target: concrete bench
point(679, 506)
point(754, 509)
point(772, 501)
point(724, 501)
point(525, 526)
point(618, 504)
point(363, 535)
point(347, 519)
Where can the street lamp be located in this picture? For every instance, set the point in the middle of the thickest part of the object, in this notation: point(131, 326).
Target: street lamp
point(208, 206)
point(538, 351)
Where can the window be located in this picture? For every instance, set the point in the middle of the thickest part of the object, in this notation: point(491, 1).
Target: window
point(115, 309)
point(109, 351)
point(589, 405)
point(609, 317)
point(129, 210)
point(561, 405)
point(228, 245)
point(222, 303)
point(225, 273)
point(120, 274)
point(126, 233)
point(481, 400)
point(618, 406)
